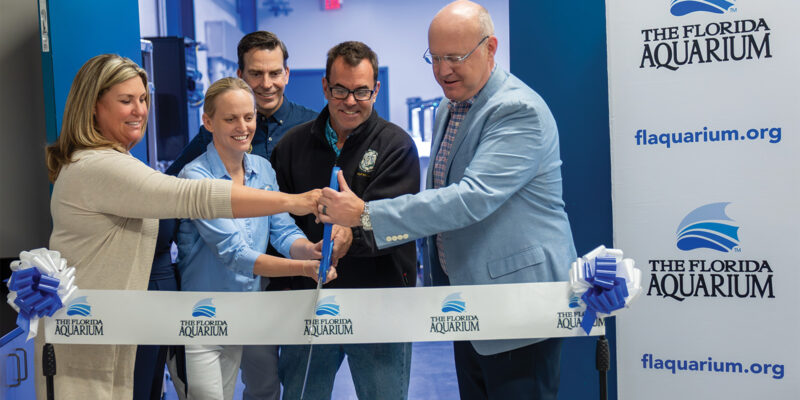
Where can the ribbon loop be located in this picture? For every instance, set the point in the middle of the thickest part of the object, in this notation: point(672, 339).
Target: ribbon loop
point(39, 286)
point(604, 282)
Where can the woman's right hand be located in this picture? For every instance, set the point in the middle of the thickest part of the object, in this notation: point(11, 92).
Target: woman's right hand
point(305, 203)
point(311, 270)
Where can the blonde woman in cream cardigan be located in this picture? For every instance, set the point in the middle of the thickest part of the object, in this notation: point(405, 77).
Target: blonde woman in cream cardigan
point(106, 205)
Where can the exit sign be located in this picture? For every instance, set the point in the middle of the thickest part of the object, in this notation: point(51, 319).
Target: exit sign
point(333, 4)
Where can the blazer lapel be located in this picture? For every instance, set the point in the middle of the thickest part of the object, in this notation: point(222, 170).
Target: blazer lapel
point(466, 125)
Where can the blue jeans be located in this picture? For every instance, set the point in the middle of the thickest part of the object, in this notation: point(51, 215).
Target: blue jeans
point(379, 370)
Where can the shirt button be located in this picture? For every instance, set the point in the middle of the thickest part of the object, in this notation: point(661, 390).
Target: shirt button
point(270, 139)
point(405, 236)
point(388, 238)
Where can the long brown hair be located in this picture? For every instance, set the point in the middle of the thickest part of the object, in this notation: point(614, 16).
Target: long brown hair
point(78, 127)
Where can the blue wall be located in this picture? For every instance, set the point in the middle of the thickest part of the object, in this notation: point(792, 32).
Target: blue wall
point(559, 49)
point(80, 30)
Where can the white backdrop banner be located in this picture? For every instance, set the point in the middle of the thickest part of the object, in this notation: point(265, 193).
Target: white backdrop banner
point(705, 110)
point(514, 311)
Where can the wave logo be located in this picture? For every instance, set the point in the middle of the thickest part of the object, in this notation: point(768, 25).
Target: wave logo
point(708, 227)
point(327, 306)
point(80, 306)
point(454, 303)
point(574, 301)
point(682, 7)
point(204, 308)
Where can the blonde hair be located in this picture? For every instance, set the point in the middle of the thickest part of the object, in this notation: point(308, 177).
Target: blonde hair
point(221, 86)
point(78, 127)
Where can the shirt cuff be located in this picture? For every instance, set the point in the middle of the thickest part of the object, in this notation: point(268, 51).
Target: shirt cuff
point(287, 252)
point(246, 261)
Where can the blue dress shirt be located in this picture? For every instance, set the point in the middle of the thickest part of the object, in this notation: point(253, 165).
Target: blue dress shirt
point(219, 254)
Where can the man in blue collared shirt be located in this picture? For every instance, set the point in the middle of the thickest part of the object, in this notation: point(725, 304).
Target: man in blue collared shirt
point(262, 64)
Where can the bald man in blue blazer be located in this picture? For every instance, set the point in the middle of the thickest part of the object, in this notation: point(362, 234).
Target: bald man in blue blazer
point(493, 212)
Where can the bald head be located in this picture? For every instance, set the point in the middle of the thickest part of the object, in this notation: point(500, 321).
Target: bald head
point(465, 14)
point(462, 44)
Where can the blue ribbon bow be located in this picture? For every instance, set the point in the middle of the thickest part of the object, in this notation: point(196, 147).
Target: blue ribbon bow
point(608, 292)
point(37, 295)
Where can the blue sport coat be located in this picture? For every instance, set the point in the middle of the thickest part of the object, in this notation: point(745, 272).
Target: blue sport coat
point(501, 213)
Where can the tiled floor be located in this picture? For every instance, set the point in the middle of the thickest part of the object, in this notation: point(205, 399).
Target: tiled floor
point(433, 375)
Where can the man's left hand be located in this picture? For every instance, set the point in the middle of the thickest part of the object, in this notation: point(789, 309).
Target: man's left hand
point(342, 207)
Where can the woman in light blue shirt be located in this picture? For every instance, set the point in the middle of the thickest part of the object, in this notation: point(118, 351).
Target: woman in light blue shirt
point(228, 254)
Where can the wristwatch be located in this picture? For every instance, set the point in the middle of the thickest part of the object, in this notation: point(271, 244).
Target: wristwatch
point(366, 223)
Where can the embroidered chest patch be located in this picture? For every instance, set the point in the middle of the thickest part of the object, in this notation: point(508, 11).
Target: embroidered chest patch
point(367, 163)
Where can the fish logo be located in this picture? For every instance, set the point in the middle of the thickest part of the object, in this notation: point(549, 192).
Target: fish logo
point(680, 8)
point(708, 227)
point(327, 306)
point(454, 303)
point(204, 308)
point(80, 306)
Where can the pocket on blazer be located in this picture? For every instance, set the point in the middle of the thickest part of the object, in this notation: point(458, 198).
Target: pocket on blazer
point(515, 262)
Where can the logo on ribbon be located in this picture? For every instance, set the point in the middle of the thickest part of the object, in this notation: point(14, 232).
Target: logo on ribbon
point(456, 322)
point(80, 306)
point(327, 306)
point(454, 303)
point(680, 8)
point(708, 227)
point(204, 308)
point(210, 327)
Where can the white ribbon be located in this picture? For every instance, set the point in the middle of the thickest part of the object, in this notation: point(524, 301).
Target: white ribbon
point(444, 313)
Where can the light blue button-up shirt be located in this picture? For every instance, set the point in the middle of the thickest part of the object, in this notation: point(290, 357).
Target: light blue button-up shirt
point(219, 254)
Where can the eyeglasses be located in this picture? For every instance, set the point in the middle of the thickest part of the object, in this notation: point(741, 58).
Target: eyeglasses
point(450, 60)
point(341, 93)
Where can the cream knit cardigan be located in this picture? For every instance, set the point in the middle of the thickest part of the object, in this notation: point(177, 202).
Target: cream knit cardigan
point(105, 207)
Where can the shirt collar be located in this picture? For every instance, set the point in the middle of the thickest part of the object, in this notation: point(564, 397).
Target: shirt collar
point(281, 114)
point(466, 104)
point(218, 168)
point(462, 106)
point(332, 137)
